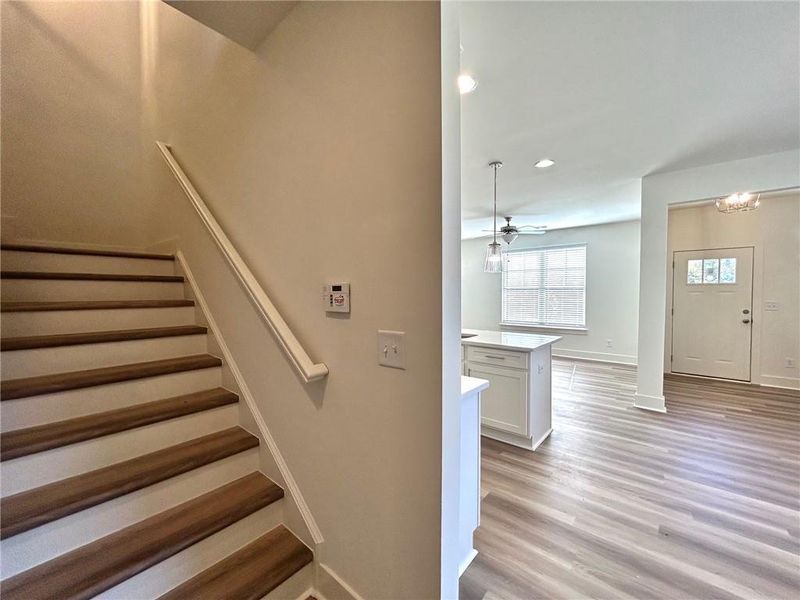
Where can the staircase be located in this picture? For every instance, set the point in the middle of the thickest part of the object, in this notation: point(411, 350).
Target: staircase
point(125, 473)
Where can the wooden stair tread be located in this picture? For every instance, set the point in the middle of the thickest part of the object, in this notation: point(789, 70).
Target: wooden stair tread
point(59, 382)
point(84, 251)
point(41, 505)
point(22, 442)
point(97, 337)
point(104, 563)
point(251, 572)
point(91, 305)
point(89, 276)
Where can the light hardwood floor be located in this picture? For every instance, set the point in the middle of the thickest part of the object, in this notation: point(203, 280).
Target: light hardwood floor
point(702, 502)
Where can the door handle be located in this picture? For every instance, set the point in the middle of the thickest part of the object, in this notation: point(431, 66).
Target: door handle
point(745, 320)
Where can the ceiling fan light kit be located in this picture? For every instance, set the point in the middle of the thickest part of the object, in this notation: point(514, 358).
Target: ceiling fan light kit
point(509, 237)
point(509, 232)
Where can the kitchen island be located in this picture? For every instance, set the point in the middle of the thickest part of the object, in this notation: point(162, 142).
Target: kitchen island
point(517, 406)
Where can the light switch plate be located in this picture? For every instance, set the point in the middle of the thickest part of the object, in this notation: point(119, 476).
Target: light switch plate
point(392, 349)
point(771, 305)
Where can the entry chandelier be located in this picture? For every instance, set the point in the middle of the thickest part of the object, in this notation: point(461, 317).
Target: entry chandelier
point(738, 202)
point(494, 258)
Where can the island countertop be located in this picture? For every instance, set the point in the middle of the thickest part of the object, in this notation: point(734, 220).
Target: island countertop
point(472, 385)
point(509, 340)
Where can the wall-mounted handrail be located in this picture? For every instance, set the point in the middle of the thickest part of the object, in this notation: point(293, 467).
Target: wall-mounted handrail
point(308, 370)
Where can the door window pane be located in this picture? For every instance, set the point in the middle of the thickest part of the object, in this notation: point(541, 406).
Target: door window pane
point(694, 272)
point(727, 270)
point(710, 270)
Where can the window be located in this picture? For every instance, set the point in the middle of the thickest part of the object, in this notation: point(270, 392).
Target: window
point(694, 272)
point(727, 270)
point(711, 271)
point(545, 287)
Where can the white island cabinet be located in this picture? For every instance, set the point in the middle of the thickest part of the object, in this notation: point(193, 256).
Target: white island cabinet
point(517, 407)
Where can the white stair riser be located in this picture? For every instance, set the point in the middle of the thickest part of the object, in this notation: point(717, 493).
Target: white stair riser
point(62, 359)
point(16, 324)
point(34, 470)
point(55, 290)
point(184, 565)
point(46, 408)
point(298, 587)
point(14, 260)
point(30, 548)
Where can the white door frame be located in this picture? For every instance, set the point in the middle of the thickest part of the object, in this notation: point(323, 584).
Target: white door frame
point(752, 248)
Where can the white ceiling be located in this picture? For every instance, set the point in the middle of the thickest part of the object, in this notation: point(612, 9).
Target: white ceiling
point(615, 91)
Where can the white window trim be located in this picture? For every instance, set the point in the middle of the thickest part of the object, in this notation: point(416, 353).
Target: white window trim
point(544, 328)
point(582, 330)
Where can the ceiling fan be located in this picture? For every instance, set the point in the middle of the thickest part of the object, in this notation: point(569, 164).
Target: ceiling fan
point(510, 232)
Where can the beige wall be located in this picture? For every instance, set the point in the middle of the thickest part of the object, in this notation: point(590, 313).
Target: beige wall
point(774, 232)
point(321, 157)
point(71, 111)
point(612, 289)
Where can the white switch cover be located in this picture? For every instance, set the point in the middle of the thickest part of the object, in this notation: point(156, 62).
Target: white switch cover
point(771, 306)
point(392, 349)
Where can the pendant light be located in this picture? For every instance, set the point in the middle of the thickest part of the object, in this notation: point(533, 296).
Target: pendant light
point(494, 258)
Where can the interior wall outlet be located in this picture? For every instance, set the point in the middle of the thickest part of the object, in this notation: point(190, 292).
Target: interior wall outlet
point(790, 362)
point(609, 343)
point(392, 349)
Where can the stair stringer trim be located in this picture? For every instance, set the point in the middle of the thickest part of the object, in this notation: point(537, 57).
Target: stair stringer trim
point(294, 501)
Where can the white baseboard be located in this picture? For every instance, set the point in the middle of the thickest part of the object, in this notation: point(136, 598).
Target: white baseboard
point(467, 561)
point(310, 593)
point(607, 357)
point(646, 402)
point(779, 381)
point(772, 381)
point(332, 587)
point(515, 440)
point(542, 438)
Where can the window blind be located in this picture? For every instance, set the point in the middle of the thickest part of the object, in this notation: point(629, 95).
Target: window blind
point(545, 286)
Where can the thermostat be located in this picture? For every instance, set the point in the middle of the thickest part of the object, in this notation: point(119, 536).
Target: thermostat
point(336, 297)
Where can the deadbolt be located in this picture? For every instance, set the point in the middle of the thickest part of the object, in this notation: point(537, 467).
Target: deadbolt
point(746, 311)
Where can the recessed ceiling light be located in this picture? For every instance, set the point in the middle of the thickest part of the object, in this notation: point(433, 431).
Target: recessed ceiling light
point(544, 163)
point(466, 83)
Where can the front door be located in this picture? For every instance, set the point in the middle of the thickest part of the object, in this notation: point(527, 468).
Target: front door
point(712, 292)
